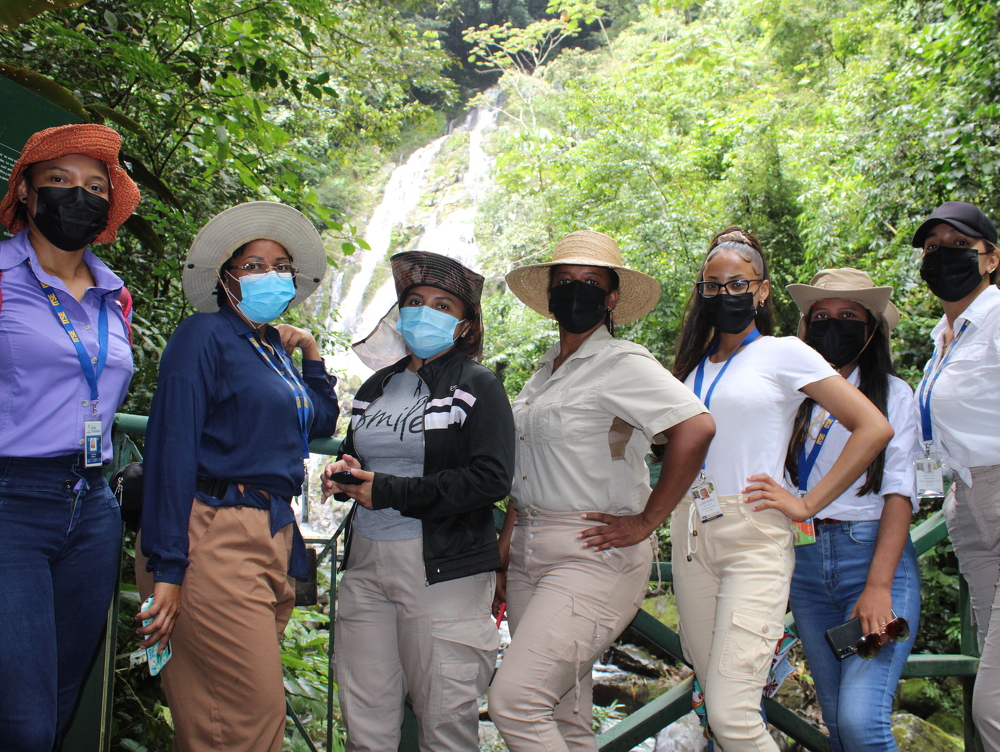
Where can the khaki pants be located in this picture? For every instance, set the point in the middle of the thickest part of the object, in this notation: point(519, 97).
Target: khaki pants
point(396, 635)
point(973, 517)
point(224, 683)
point(566, 605)
point(731, 580)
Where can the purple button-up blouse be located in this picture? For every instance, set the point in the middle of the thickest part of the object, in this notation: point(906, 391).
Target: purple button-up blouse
point(44, 396)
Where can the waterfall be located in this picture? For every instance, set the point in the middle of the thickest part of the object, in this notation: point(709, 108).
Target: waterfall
point(438, 218)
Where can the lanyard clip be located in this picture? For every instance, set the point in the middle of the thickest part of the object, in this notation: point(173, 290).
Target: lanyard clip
point(927, 448)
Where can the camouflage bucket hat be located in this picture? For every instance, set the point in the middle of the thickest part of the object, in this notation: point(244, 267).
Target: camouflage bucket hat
point(414, 268)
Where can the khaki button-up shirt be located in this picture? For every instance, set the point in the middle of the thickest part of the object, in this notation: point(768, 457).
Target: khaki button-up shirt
point(584, 430)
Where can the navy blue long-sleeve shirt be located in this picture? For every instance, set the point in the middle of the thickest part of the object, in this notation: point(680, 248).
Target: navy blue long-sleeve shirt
point(220, 411)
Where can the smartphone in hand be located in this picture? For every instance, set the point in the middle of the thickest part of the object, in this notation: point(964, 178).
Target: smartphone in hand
point(344, 478)
point(154, 658)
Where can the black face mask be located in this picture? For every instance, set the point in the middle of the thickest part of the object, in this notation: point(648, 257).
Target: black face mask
point(729, 313)
point(70, 218)
point(578, 306)
point(840, 341)
point(951, 273)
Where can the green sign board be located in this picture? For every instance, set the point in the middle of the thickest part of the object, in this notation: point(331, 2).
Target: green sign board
point(26, 113)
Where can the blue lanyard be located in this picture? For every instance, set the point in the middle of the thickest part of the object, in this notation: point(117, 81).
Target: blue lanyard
point(699, 376)
point(927, 387)
point(92, 367)
point(298, 390)
point(807, 461)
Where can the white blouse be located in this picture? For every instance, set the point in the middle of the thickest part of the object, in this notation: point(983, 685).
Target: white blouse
point(965, 400)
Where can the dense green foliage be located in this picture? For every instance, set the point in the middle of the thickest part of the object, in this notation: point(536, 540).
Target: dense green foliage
point(827, 128)
point(220, 103)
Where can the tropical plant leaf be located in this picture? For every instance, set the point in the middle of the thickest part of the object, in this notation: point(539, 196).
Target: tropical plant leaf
point(119, 119)
point(45, 87)
point(143, 231)
point(144, 176)
point(13, 13)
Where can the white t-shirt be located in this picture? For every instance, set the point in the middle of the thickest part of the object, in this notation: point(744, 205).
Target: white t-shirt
point(898, 475)
point(965, 408)
point(754, 406)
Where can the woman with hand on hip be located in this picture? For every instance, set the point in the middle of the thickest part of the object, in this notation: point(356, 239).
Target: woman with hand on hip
point(732, 553)
point(431, 448)
point(959, 419)
point(228, 431)
point(65, 364)
point(581, 512)
point(863, 563)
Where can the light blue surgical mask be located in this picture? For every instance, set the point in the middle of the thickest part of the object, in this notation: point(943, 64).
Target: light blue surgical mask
point(426, 330)
point(265, 296)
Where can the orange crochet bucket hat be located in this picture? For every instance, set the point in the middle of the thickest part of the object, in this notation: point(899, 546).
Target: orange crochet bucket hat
point(91, 140)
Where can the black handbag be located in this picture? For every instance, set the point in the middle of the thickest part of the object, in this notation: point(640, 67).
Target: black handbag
point(126, 483)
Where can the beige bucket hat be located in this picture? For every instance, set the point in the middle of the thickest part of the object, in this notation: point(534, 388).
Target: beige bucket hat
point(256, 220)
point(849, 284)
point(638, 292)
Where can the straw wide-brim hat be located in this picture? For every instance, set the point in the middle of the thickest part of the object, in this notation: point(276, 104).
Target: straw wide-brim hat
point(238, 225)
point(638, 292)
point(91, 140)
point(847, 284)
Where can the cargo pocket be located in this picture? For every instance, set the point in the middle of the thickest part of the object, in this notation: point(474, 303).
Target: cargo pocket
point(465, 652)
point(749, 645)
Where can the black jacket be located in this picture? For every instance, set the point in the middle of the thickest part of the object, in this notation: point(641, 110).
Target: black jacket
point(468, 465)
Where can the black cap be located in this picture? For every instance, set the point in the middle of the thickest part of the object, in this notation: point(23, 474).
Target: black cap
point(964, 217)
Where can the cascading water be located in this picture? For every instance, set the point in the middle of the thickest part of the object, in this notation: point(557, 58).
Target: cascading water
point(434, 217)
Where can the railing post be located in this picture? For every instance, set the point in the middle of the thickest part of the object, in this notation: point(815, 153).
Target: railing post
point(969, 641)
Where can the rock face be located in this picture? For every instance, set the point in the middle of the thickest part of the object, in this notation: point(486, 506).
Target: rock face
point(684, 735)
point(914, 734)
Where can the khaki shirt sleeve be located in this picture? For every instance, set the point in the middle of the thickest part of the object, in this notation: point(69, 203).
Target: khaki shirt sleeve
point(640, 391)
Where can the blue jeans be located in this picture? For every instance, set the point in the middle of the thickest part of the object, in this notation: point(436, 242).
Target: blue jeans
point(855, 695)
point(60, 548)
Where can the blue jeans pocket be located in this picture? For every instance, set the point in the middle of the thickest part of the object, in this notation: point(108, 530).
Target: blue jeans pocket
point(863, 533)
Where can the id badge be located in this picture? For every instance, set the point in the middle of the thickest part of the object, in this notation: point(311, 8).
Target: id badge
point(930, 476)
point(805, 532)
point(93, 436)
point(703, 495)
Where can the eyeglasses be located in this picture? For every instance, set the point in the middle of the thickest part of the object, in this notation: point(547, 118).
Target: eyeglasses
point(897, 630)
point(732, 287)
point(285, 271)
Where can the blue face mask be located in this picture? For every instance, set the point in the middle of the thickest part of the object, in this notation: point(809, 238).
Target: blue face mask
point(265, 296)
point(427, 331)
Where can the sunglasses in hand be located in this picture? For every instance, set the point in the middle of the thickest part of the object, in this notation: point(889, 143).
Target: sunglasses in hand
point(847, 639)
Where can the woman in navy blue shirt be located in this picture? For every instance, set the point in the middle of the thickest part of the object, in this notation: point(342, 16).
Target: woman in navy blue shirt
point(228, 431)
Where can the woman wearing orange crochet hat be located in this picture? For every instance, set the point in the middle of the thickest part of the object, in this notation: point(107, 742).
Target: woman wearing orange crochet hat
point(65, 365)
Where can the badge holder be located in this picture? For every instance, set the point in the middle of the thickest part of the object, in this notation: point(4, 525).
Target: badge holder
point(805, 531)
point(704, 498)
point(929, 471)
point(93, 438)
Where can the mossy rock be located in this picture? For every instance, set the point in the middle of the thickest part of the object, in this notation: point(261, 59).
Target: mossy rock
point(914, 734)
point(918, 696)
point(950, 723)
point(663, 608)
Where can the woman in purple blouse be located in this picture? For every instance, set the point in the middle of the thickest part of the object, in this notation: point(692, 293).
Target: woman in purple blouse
point(65, 365)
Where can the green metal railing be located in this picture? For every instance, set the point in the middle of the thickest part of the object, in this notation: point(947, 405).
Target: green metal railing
point(90, 728)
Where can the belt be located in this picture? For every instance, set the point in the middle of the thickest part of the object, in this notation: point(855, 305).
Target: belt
point(216, 487)
point(827, 521)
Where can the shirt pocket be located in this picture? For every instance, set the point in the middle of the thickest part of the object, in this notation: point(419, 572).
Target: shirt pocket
point(964, 375)
point(573, 415)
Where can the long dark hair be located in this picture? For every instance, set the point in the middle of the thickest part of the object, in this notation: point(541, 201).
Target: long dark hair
point(874, 369)
point(697, 335)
